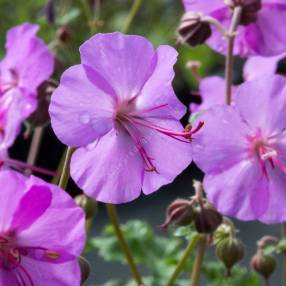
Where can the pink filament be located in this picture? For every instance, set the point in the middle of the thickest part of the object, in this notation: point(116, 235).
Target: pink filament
point(130, 121)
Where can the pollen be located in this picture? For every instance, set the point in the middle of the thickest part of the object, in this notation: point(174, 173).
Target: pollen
point(51, 254)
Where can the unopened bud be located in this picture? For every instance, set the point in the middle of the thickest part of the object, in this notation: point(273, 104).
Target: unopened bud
point(41, 115)
point(84, 269)
point(207, 218)
point(250, 9)
point(230, 251)
point(224, 231)
point(192, 30)
point(64, 34)
point(180, 212)
point(264, 264)
point(89, 205)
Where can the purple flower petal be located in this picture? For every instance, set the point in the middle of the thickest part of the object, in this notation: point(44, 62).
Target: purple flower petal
point(31, 206)
point(105, 167)
point(63, 221)
point(42, 233)
point(28, 56)
point(124, 62)
point(221, 142)
point(240, 191)
point(257, 66)
point(65, 274)
point(267, 94)
point(12, 192)
point(276, 212)
point(79, 106)
point(267, 36)
point(171, 157)
point(158, 88)
point(212, 92)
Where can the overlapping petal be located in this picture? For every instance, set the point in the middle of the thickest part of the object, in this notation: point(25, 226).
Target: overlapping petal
point(80, 111)
point(221, 143)
point(121, 64)
point(158, 88)
point(110, 171)
point(257, 99)
point(170, 157)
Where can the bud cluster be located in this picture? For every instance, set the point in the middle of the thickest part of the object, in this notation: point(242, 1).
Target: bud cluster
point(195, 211)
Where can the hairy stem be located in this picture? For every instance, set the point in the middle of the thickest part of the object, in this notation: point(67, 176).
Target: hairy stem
point(229, 56)
point(192, 244)
point(132, 13)
point(196, 273)
point(283, 228)
point(65, 174)
point(111, 210)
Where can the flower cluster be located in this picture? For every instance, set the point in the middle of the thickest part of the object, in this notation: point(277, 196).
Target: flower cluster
point(118, 110)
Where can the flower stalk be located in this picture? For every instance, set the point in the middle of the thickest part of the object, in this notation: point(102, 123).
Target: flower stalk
point(133, 11)
point(229, 56)
point(196, 273)
point(65, 174)
point(192, 244)
point(112, 213)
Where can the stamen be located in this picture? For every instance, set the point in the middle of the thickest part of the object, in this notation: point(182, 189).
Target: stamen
point(268, 155)
point(28, 276)
point(185, 134)
point(152, 109)
point(141, 149)
point(52, 254)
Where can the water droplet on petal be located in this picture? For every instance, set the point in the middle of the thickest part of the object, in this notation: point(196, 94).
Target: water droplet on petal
point(84, 119)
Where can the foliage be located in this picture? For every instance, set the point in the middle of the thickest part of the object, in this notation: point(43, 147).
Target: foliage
point(158, 255)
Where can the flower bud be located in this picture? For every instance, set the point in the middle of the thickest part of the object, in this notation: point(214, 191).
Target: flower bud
point(264, 264)
point(41, 115)
point(180, 212)
point(192, 30)
point(230, 251)
point(249, 9)
point(89, 205)
point(84, 269)
point(63, 34)
point(207, 218)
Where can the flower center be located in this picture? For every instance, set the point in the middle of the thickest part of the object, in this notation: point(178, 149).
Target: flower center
point(266, 153)
point(132, 121)
point(11, 258)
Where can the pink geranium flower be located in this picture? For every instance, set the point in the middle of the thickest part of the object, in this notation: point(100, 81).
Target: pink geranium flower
point(120, 109)
point(28, 62)
point(242, 150)
point(263, 35)
point(42, 233)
